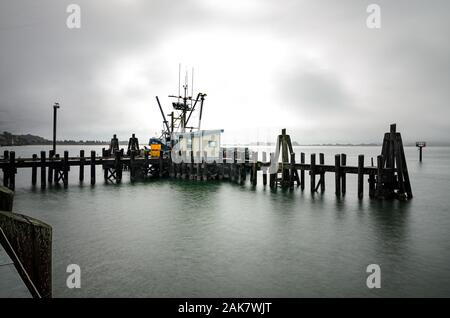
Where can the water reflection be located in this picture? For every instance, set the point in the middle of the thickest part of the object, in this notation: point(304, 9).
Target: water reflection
point(186, 238)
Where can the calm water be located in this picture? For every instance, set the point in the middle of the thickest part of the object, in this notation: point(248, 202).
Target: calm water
point(177, 238)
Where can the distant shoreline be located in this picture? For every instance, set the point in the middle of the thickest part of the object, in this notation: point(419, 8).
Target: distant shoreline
point(7, 140)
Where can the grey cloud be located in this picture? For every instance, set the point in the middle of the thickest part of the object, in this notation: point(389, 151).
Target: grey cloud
point(401, 69)
point(315, 93)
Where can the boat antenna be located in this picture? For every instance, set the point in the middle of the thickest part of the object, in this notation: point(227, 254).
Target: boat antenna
point(192, 86)
point(179, 81)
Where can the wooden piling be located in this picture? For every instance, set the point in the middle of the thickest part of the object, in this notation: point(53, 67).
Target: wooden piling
point(360, 176)
point(302, 172)
point(371, 185)
point(118, 165)
point(34, 171)
point(6, 199)
point(12, 170)
point(56, 168)
point(43, 174)
point(198, 167)
point(161, 165)
point(264, 169)
point(220, 164)
point(312, 172)
point(343, 176)
point(66, 169)
point(92, 167)
point(337, 173)
point(28, 242)
point(205, 166)
point(105, 173)
point(81, 170)
point(6, 169)
point(405, 169)
point(292, 172)
point(132, 166)
point(285, 174)
point(379, 182)
point(242, 173)
point(183, 165)
point(51, 154)
point(273, 176)
point(254, 169)
point(322, 173)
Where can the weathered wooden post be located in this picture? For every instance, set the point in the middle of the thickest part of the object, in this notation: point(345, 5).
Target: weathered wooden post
point(51, 154)
point(360, 176)
point(118, 165)
point(28, 242)
point(56, 168)
point(183, 164)
point(371, 185)
point(132, 166)
point(379, 183)
point(198, 166)
point(43, 174)
point(273, 176)
point(205, 166)
point(66, 168)
point(92, 167)
point(235, 172)
point(285, 174)
point(12, 170)
point(34, 170)
point(337, 173)
point(254, 168)
point(292, 174)
point(220, 164)
point(264, 169)
point(322, 173)
point(242, 174)
point(161, 165)
point(302, 172)
point(312, 172)
point(343, 176)
point(6, 199)
point(6, 169)
point(81, 171)
point(250, 162)
point(105, 171)
point(145, 168)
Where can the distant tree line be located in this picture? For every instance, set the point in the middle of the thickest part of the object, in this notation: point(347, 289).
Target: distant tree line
point(8, 139)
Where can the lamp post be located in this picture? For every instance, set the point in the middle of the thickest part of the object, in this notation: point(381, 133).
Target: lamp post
point(55, 108)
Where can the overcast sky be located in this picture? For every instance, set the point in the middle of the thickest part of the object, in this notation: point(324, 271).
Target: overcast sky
point(312, 67)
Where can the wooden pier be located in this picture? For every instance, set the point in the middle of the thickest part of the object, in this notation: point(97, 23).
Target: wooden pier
point(389, 179)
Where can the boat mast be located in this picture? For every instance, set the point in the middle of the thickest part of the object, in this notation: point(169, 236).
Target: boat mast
point(183, 108)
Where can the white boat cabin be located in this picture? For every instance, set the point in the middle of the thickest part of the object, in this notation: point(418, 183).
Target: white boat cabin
point(202, 142)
